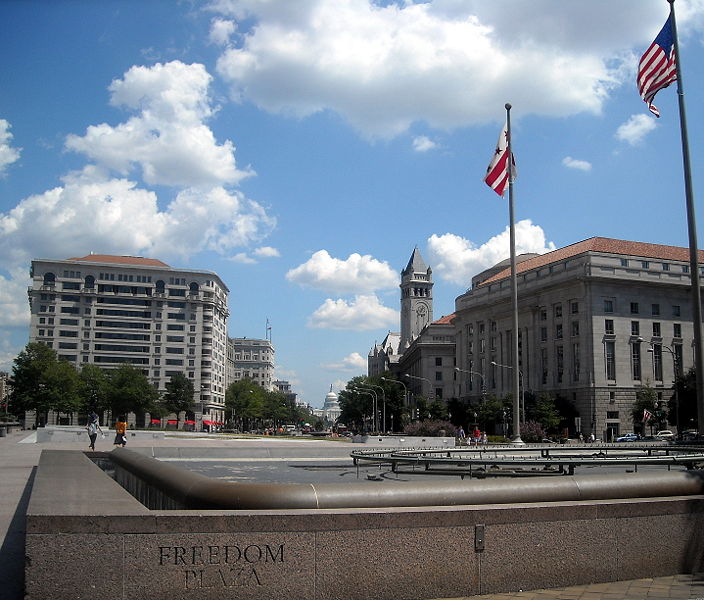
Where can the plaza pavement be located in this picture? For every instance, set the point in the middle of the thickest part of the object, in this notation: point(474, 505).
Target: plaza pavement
point(19, 456)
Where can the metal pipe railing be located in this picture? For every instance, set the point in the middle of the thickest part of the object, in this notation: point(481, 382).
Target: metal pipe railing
point(194, 491)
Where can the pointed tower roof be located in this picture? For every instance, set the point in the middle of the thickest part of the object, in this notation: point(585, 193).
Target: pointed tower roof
point(416, 264)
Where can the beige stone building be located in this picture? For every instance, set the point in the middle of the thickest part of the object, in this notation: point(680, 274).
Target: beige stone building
point(597, 320)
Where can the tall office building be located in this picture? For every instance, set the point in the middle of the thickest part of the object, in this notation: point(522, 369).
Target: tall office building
point(109, 310)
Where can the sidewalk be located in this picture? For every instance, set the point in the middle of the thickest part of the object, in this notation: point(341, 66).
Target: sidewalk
point(19, 456)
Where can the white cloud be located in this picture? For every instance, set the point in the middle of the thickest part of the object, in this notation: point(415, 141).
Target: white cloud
point(635, 129)
point(384, 67)
point(357, 274)
point(573, 163)
point(352, 362)
point(423, 144)
point(89, 212)
point(363, 313)
point(14, 308)
point(457, 259)
point(168, 139)
point(221, 30)
point(267, 252)
point(243, 258)
point(8, 154)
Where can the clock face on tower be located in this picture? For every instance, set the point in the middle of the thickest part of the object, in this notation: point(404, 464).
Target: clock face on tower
point(421, 310)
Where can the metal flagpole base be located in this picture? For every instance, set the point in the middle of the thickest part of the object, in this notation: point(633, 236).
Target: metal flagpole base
point(517, 441)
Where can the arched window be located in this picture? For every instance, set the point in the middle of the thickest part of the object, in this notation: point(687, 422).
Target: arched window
point(90, 282)
point(160, 285)
point(49, 279)
point(193, 288)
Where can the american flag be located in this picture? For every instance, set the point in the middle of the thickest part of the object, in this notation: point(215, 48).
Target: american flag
point(497, 171)
point(657, 68)
point(647, 415)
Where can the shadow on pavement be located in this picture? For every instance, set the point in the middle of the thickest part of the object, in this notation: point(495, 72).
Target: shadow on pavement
point(12, 550)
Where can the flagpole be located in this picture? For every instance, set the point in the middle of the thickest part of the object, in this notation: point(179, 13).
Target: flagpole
point(692, 226)
point(515, 372)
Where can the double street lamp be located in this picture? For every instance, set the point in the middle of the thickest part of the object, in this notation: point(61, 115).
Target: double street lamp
point(470, 373)
point(523, 389)
point(405, 395)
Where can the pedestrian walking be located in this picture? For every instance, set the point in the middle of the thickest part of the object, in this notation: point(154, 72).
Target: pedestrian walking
point(93, 428)
point(121, 432)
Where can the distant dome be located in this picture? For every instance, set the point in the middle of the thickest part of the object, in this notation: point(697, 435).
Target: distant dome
point(331, 402)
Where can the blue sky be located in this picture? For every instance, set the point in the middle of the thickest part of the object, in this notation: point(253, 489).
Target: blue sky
point(302, 149)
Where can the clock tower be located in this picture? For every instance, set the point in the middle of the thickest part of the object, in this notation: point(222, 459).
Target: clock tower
point(416, 299)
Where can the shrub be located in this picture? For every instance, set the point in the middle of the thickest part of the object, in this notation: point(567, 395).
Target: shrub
point(531, 431)
point(430, 428)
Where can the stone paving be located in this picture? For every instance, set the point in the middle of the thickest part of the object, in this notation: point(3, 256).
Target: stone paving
point(19, 456)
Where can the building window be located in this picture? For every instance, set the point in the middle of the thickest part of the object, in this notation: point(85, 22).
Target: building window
point(543, 334)
point(635, 361)
point(438, 375)
point(676, 310)
point(609, 326)
point(438, 361)
point(678, 359)
point(575, 362)
point(635, 327)
point(575, 328)
point(558, 311)
point(574, 307)
point(624, 262)
point(656, 310)
point(676, 330)
point(657, 362)
point(665, 267)
point(560, 359)
point(608, 306)
point(543, 315)
point(645, 264)
point(634, 308)
point(656, 330)
point(610, 360)
point(544, 365)
point(558, 332)
point(612, 415)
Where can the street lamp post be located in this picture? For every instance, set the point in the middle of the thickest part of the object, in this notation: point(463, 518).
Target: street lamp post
point(383, 402)
point(483, 389)
point(522, 416)
point(675, 373)
point(371, 393)
point(430, 383)
point(405, 395)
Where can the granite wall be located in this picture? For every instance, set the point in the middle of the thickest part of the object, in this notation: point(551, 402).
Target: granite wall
point(88, 538)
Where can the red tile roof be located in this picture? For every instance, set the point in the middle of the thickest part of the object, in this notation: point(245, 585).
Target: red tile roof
point(445, 320)
point(121, 260)
point(600, 244)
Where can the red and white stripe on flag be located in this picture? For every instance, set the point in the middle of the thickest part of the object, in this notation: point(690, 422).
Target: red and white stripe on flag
point(647, 415)
point(657, 67)
point(497, 173)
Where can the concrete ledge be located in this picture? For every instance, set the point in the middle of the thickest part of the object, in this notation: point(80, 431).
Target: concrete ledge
point(398, 441)
point(98, 541)
point(69, 433)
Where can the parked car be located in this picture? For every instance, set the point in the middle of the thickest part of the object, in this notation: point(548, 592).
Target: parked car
point(689, 434)
point(628, 437)
point(665, 434)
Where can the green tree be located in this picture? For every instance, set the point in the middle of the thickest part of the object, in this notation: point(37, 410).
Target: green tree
point(646, 399)
point(27, 370)
point(356, 405)
point(686, 399)
point(59, 388)
point(42, 383)
point(546, 412)
point(179, 394)
point(93, 388)
point(129, 390)
point(244, 403)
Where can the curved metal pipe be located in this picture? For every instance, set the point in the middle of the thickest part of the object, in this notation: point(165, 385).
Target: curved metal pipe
point(195, 491)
